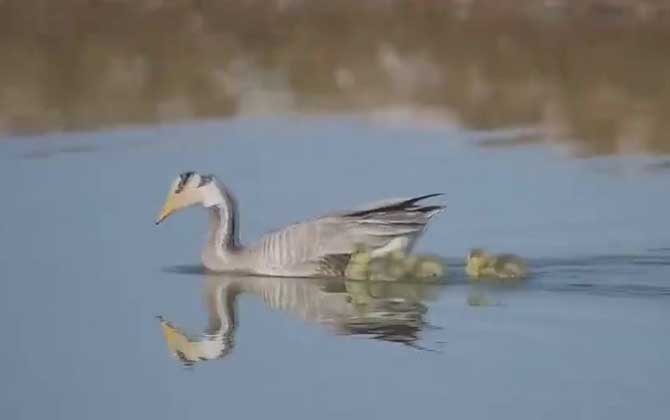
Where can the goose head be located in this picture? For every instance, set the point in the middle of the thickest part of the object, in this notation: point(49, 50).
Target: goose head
point(190, 189)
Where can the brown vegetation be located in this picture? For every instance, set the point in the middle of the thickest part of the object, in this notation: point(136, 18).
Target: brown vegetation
point(589, 74)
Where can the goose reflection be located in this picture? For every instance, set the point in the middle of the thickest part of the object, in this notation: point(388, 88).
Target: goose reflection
point(387, 311)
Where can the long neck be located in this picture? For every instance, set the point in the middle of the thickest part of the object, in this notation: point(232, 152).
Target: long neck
point(223, 223)
point(221, 302)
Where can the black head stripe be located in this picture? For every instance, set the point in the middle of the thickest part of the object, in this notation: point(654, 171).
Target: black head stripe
point(204, 180)
point(183, 179)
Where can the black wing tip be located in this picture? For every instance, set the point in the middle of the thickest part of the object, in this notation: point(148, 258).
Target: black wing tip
point(428, 208)
point(415, 200)
point(423, 197)
point(409, 204)
point(431, 209)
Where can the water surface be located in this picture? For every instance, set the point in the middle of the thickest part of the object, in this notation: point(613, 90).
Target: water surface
point(85, 273)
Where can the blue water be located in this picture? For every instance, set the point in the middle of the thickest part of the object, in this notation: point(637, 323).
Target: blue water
point(85, 272)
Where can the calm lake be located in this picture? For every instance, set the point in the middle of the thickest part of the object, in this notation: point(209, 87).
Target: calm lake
point(566, 165)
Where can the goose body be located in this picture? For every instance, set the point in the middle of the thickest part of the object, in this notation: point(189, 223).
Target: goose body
point(317, 247)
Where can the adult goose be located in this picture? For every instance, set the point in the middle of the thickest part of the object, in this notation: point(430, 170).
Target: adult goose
point(319, 247)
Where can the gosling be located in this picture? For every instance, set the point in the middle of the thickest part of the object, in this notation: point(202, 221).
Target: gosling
point(358, 267)
point(392, 267)
point(481, 264)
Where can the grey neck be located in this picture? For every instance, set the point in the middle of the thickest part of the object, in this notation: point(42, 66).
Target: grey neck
point(221, 299)
point(223, 224)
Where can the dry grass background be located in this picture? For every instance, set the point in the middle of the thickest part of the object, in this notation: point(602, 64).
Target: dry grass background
point(592, 75)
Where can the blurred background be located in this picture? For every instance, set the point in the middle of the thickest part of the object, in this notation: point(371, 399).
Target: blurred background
point(587, 76)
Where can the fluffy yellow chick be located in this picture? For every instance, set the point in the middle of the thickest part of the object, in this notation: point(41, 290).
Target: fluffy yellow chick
point(481, 264)
point(358, 267)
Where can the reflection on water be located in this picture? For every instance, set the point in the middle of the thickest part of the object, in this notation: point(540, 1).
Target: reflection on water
point(79, 250)
point(396, 311)
point(387, 311)
point(588, 76)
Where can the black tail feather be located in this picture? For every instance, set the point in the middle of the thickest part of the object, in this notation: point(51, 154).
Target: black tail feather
point(428, 209)
point(403, 205)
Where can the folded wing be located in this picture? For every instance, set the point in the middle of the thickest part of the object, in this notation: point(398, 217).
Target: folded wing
point(328, 241)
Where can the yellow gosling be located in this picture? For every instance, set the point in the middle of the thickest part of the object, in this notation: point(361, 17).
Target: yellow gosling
point(408, 268)
point(427, 268)
point(383, 269)
point(481, 264)
point(508, 266)
point(477, 261)
point(394, 266)
point(358, 267)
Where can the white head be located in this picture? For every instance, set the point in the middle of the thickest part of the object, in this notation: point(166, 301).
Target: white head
point(189, 189)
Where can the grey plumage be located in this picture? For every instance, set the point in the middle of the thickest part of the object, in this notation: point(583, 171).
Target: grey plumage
point(317, 247)
point(391, 312)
